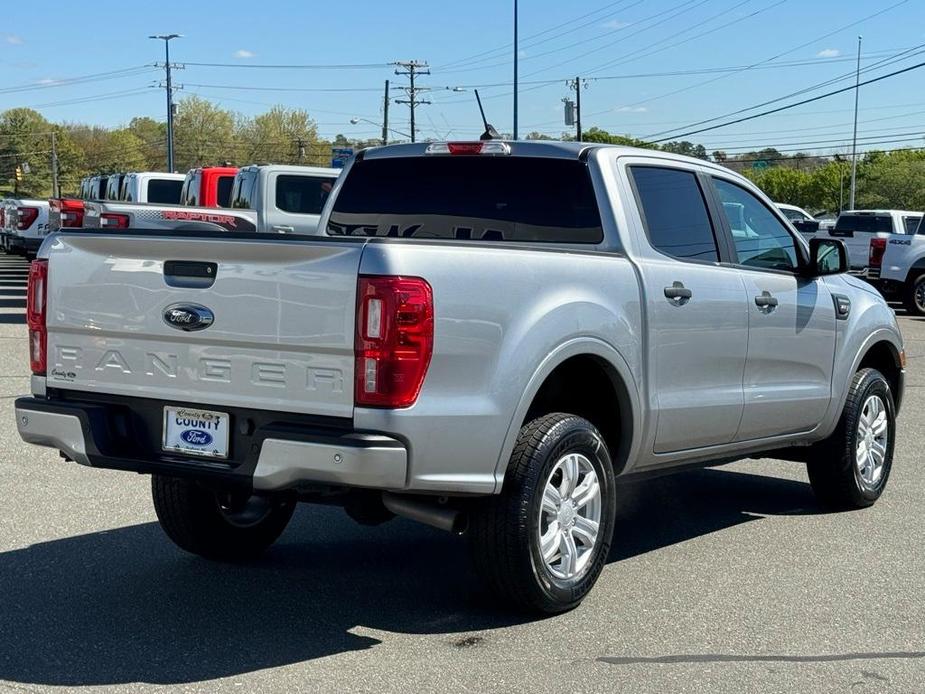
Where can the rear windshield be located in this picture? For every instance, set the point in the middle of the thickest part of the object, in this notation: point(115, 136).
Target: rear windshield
point(794, 215)
point(871, 223)
point(477, 198)
point(302, 194)
point(164, 191)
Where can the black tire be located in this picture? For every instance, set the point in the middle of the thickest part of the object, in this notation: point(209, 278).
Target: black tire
point(833, 473)
point(504, 531)
point(914, 296)
point(214, 526)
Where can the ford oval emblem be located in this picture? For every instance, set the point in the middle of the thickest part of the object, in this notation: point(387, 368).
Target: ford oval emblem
point(188, 317)
point(196, 437)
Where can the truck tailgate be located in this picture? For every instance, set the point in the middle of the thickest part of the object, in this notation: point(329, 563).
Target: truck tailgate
point(281, 339)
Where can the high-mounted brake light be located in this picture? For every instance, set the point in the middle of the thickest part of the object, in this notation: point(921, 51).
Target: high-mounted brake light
point(36, 310)
point(111, 220)
point(27, 216)
point(485, 147)
point(877, 249)
point(394, 339)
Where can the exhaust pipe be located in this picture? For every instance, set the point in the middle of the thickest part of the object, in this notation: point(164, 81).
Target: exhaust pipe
point(423, 512)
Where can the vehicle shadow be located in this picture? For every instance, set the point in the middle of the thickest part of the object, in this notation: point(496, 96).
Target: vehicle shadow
point(124, 605)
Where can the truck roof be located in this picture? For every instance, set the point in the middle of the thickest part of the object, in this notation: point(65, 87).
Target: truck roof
point(862, 212)
point(293, 168)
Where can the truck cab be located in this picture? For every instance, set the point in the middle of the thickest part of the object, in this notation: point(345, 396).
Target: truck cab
point(152, 186)
point(208, 186)
point(857, 229)
point(288, 198)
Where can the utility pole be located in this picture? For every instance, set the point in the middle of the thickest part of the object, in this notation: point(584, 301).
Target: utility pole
point(515, 68)
point(168, 67)
point(854, 140)
point(55, 190)
point(300, 143)
point(577, 85)
point(412, 68)
point(385, 116)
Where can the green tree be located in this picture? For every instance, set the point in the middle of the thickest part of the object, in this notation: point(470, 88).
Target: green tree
point(686, 148)
point(25, 141)
point(204, 134)
point(598, 135)
point(284, 136)
point(153, 136)
point(784, 184)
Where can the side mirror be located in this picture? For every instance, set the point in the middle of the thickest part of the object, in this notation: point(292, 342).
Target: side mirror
point(827, 257)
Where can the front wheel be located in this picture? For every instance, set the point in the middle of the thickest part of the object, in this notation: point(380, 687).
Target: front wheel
point(542, 543)
point(852, 466)
point(914, 299)
point(221, 526)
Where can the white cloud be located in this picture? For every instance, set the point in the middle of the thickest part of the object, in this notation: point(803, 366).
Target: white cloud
point(13, 39)
point(631, 109)
point(615, 24)
point(47, 80)
point(828, 53)
point(243, 53)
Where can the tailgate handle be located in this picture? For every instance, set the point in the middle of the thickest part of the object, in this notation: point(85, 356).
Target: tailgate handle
point(190, 274)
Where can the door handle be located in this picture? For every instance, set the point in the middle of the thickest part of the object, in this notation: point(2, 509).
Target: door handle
point(678, 294)
point(283, 229)
point(766, 301)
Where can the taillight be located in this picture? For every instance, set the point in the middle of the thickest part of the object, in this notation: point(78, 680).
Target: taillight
point(877, 249)
point(72, 213)
point(394, 339)
point(36, 305)
point(111, 220)
point(27, 216)
point(487, 147)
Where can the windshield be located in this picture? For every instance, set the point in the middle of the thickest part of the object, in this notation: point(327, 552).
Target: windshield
point(867, 223)
point(469, 198)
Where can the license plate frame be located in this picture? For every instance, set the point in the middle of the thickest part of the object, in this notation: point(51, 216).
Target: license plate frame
point(207, 433)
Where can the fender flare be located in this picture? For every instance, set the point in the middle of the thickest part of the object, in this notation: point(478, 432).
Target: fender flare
point(573, 347)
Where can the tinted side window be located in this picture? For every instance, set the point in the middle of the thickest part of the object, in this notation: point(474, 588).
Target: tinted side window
point(189, 195)
point(164, 191)
point(223, 194)
point(760, 238)
point(675, 213)
point(302, 194)
point(242, 193)
point(911, 224)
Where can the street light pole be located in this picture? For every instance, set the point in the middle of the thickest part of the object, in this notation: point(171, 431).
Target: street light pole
point(167, 66)
point(854, 140)
point(515, 69)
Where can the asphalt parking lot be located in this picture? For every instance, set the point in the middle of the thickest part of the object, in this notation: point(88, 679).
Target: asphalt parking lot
point(722, 580)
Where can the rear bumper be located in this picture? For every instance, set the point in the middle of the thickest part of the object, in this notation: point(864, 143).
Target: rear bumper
point(268, 452)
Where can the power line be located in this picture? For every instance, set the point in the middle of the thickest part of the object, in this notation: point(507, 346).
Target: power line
point(789, 106)
point(282, 89)
point(344, 66)
point(412, 68)
point(70, 81)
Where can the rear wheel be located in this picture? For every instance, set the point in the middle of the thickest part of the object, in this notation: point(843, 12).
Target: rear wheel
point(853, 465)
point(542, 543)
point(222, 526)
point(914, 298)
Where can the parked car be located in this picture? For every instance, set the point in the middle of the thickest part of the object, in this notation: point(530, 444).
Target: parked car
point(277, 199)
point(25, 225)
point(857, 227)
point(489, 361)
point(208, 186)
point(802, 220)
point(152, 186)
point(902, 271)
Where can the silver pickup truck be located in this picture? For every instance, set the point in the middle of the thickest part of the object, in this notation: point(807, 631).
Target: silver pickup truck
point(486, 337)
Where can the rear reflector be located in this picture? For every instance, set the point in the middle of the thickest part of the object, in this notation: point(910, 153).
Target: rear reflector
point(394, 339)
point(111, 220)
point(27, 216)
point(485, 147)
point(36, 310)
point(877, 249)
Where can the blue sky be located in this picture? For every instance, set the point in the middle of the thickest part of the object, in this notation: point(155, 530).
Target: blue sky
point(789, 44)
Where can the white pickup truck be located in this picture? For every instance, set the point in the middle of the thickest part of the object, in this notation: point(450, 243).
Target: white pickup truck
point(902, 269)
point(275, 198)
point(23, 225)
point(857, 227)
point(483, 336)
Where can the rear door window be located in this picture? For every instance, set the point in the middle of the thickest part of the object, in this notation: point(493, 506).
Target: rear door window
point(302, 194)
point(164, 191)
point(911, 223)
point(674, 213)
point(223, 195)
point(242, 193)
point(526, 199)
point(189, 195)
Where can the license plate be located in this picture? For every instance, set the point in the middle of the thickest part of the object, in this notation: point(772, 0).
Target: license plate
point(196, 432)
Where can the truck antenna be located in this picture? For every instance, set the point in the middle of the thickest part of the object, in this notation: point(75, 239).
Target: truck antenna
point(490, 132)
